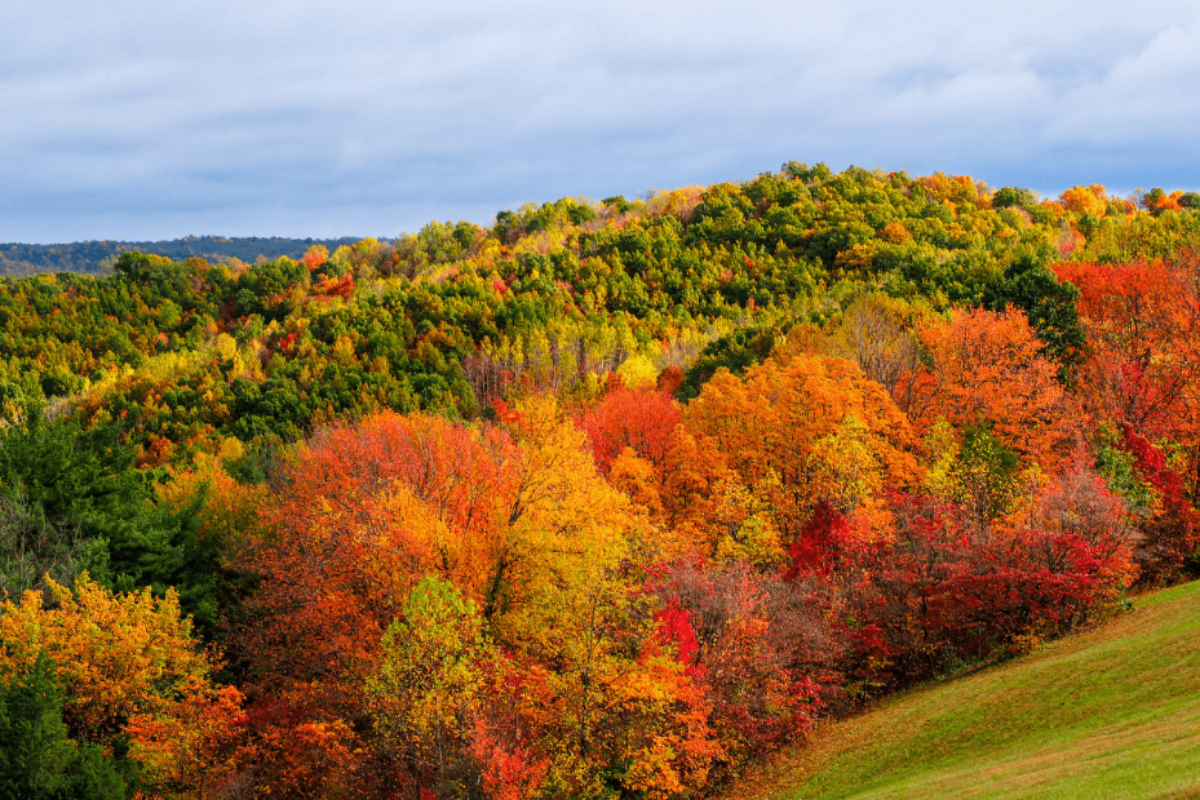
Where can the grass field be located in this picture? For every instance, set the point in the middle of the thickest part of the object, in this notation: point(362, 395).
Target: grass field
point(1113, 712)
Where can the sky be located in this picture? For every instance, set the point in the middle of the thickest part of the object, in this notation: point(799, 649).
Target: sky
point(139, 120)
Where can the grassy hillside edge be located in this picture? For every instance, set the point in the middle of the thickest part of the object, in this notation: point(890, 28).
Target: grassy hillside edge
point(1113, 712)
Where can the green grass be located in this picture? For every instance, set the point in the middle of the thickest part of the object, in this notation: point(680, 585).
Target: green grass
point(1113, 712)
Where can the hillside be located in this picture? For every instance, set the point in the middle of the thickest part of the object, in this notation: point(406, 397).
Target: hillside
point(91, 258)
point(1113, 712)
point(607, 500)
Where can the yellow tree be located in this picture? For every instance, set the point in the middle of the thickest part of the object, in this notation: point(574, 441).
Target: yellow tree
point(576, 612)
point(130, 667)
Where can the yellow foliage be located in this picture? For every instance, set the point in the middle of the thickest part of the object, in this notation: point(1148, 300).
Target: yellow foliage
point(757, 541)
point(638, 372)
point(231, 449)
point(1082, 200)
point(225, 346)
point(127, 663)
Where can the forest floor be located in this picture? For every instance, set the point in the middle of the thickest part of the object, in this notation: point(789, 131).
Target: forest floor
point(1110, 712)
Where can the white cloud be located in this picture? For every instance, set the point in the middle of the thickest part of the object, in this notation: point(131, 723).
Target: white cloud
point(298, 117)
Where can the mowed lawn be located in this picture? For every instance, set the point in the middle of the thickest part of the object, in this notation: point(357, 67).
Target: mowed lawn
point(1113, 712)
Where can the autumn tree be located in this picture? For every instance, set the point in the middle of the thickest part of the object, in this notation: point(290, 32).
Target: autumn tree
point(1142, 320)
point(988, 368)
point(806, 430)
point(643, 420)
point(130, 669)
point(878, 332)
point(758, 644)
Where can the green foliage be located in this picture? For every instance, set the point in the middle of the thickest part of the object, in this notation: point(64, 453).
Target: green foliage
point(1050, 305)
point(71, 500)
point(65, 494)
point(37, 759)
point(736, 352)
point(1118, 467)
point(182, 355)
point(98, 258)
point(1009, 197)
point(426, 694)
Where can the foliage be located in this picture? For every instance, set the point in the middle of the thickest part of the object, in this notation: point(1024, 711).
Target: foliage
point(605, 500)
point(38, 759)
point(131, 672)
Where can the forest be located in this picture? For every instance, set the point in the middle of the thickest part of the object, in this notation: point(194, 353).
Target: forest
point(98, 258)
point(606, 500)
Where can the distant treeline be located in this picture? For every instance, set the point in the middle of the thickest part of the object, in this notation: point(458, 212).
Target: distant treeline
point(97, 257)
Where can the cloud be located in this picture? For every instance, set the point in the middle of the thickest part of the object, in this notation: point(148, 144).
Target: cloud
point(136, 119)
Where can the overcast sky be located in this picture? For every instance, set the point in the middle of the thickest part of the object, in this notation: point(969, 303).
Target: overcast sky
point(155, 120)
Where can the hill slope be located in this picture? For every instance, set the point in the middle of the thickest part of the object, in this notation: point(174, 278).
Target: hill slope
point(95, 257)
point(1112, 713)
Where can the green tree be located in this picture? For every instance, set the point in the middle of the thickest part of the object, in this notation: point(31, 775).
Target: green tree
point(426, 693)
point(37, 759)
point(1050, 305)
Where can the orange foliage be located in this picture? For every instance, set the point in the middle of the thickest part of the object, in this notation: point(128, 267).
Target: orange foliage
point(895, 233)
point(227, 511)
point(808, 429)
point(956, 189)
point(1143, 326)
point(987, 368)
point(1085, 200)
point(369, 509)
point(516, 517)
point(317, 255)
point(1157, 201)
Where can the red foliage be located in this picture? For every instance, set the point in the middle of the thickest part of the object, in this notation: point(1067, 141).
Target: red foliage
point(761, 648)
point(938, 589)
point(643, 420)
point(359, 524)
point(670, 380)
point(1173, 533)
point(1143, 325)
point(510, 771)
point(816, 551)
point(675, 629)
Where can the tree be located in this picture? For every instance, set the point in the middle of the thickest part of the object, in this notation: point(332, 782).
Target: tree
point(131, 671)
point(37, 759)
point(1050, 304)
point(758, 645)
point(988, 368)
point(938, 591)
point(878, 332)
point(1143, 321)
point(426, 695)
point(806, 430)
point(1082, 200)
point(65, 494)
point(643, 420)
